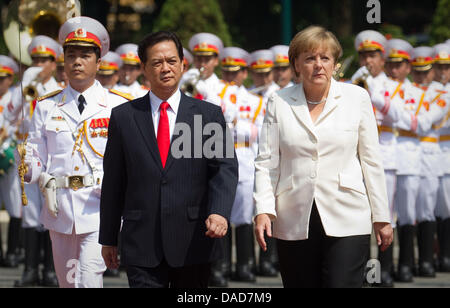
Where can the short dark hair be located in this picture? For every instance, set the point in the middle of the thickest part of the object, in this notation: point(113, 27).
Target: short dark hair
point(156, 37)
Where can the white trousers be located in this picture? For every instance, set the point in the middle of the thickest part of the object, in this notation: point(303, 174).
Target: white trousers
point(31, 212)
point(405, 199)
point(243, 207)
point(443, 200)
point(427, 198)
point(11, 193)
point(391, 182)
point(78, 260)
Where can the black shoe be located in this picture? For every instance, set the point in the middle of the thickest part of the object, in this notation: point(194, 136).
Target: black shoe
point(444, 265)
point(217, 280)
point(244, 273)
point(386, 280)
point(111, 272)
point(49, 279)
point(426, 269)
point(266, 269)
point(11, 261)
point(30, 278)
point(404, 274)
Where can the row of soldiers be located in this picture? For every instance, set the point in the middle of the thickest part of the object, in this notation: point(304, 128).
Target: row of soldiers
point(413, 123)
point(414, 130)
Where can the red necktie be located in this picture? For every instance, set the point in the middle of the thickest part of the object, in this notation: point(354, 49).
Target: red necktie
point(163, 137)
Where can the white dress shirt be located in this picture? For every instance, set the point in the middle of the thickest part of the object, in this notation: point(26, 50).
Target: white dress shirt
point(172, 111)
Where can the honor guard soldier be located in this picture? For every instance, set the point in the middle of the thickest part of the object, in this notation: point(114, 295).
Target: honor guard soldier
point(130, 71)
point(10, 194)
point(371, 46)
point(441, 65)
point(187, 60)
point(431, 166)
point(64, 154)
point(282, 71)
point(37, 81)
point(261, 66)
point(108, 73)
point(243, 107)
point(408, 151)
point(60, 75)
point(247, 125)
point(201, 81)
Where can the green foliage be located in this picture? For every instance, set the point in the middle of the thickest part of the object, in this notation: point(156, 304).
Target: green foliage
point(189, 17)
point(440, 27)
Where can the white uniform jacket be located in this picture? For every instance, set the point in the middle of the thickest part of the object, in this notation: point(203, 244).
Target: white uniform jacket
point(56, 153)
point(335, 161)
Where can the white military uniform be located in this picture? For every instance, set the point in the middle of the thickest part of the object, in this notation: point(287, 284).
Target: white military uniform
point(135, 89)
point(442, 55)
point(366, 41)
point(40, 46)
point(67, 148)
point(55, 127)
point(246, 131)
point(10, 192)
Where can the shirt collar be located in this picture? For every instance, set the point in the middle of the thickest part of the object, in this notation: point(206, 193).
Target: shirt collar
point(89, 94)
point(174, 101)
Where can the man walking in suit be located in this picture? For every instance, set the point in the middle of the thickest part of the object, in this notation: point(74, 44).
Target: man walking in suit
point(174, 207)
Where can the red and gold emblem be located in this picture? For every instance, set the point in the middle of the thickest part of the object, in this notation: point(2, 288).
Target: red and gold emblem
point(80, 32)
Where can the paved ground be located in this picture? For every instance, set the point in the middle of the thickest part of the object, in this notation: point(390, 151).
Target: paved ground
point(8, 275)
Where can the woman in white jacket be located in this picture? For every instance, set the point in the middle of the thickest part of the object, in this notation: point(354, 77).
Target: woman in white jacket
point(319, 175)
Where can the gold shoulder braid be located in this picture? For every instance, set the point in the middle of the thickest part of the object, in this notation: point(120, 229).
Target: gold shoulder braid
point(54, 93)
point(122, 94)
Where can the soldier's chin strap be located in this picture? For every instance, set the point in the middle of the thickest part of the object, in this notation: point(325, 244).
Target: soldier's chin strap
point(21, 148)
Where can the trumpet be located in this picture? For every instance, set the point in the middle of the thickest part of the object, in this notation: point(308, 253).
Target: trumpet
point(30, 93)
point(190, 88)
point(362, 81)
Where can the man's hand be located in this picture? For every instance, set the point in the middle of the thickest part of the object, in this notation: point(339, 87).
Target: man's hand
point(263, 223)
point(384, 234)
point(109, 254)
point(216, 225)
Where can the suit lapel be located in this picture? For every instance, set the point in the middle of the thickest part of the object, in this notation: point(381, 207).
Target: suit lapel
point(184, 115)
point(332, 101)
point(144, 120)
point(300, 107)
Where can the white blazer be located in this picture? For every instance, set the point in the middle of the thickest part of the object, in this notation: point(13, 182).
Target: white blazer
point(335, 161)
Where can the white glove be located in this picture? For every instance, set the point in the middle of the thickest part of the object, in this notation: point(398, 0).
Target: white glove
point(202, 89)
point(47, 184)
point(360, 73)
point(380, 98)
point(192, 75)
point(30, 75)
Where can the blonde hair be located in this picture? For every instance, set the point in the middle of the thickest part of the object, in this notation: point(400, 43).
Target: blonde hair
point(311, 39)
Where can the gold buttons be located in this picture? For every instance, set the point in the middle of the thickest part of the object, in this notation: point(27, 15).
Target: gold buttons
point(77, 168)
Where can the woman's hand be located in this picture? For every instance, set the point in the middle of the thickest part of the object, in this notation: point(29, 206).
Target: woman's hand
point(384, 234)
point(263, 223)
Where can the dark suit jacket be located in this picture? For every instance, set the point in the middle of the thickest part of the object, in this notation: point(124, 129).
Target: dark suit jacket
point(164, 210)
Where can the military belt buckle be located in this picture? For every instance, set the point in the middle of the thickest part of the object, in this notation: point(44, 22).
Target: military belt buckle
point(76, 182)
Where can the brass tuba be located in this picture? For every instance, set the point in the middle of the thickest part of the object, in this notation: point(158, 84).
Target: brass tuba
point(28, 18)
